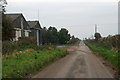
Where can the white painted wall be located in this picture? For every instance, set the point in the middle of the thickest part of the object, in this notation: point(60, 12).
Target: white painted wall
point(21, 23)
point(26, 33)
point(18, 34)
point(38, 37)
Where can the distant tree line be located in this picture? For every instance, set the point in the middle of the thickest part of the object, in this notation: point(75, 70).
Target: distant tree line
point(53, 36)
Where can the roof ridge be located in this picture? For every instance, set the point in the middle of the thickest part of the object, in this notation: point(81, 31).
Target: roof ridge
point(33, 21)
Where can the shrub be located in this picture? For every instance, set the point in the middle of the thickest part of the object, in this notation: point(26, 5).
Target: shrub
point(8, 47)
point(26, 41)
point(110, 41)
point(97, 36)
point(22, 44)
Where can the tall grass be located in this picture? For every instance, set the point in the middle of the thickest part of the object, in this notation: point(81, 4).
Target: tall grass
point(105, 51)
point(24, 57)
point(23, 64)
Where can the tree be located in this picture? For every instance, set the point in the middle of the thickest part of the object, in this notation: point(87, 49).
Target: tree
point(44, 34)
point(49, 36)
point(52, 35)
point(8, 32)
point(64, 36)
point(97, 36)
point(3, 4)
point(73, 40)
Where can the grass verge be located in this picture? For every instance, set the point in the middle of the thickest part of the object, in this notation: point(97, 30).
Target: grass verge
point(23, 64)
point(107, 53)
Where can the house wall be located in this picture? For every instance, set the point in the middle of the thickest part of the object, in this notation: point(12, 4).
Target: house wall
point(19, 31)
point(33, 34)
point(17, 34)
point(26, 33)
point(40, 37)
point(36, 34)
point(22, 24)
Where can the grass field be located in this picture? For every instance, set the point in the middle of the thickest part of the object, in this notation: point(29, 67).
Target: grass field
point(23, 64)
point(105, 51)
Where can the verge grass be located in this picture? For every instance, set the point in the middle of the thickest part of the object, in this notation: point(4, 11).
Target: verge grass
point(105, 51)
point(23, 64)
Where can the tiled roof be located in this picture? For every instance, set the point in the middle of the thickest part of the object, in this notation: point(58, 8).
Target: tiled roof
point(17, 17)
point(33, 24)
point(13, 16)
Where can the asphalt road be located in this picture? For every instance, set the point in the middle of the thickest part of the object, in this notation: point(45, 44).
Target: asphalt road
point(81, 63)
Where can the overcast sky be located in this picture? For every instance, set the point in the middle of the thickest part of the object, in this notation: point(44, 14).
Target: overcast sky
point(78, 16)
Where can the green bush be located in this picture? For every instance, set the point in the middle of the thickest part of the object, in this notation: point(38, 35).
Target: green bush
point(8, 47)
point(26, 41)
point(110, 41)
point(23, 43)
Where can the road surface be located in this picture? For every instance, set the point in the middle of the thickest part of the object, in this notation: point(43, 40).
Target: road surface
point(81, 63)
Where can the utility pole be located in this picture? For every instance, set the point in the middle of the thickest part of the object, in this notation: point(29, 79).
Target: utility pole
point(95, 28)
point(40, 33)
point(38, 14)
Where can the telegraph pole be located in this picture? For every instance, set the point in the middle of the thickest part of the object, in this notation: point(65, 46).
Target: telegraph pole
point(40, 34)
point(38, 14)
point(95, 28)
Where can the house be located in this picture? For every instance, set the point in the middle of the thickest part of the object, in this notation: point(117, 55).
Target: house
point(36, 32)
point(21, 27)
